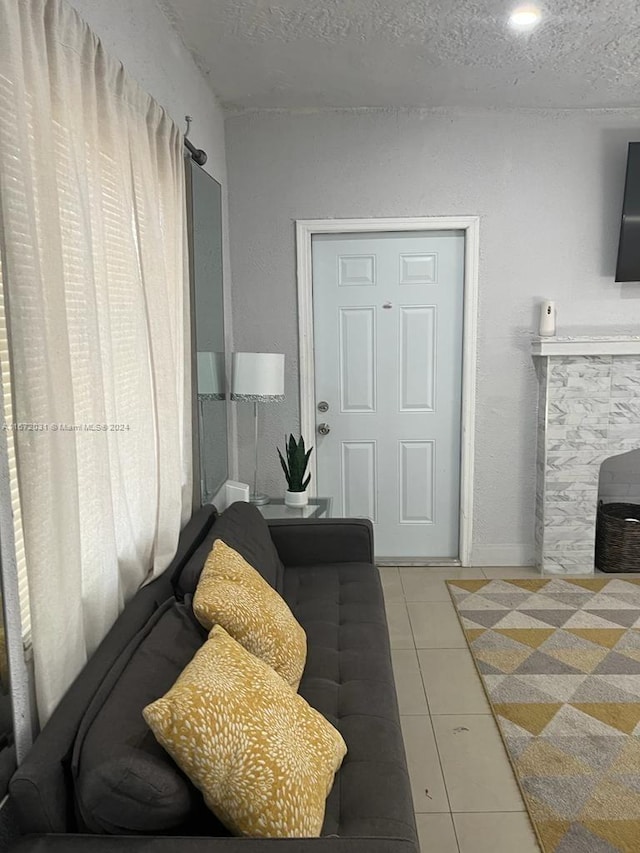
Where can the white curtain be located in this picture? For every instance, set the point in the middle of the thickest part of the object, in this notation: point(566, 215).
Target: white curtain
point(95, 274)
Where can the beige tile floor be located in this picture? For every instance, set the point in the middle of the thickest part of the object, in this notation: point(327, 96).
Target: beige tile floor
point(464, 792)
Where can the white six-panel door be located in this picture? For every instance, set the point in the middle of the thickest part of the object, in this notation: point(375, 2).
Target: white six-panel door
point(388, 311)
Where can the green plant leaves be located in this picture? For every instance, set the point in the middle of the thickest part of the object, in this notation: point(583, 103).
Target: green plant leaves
point(296, 465)
point(284, 468)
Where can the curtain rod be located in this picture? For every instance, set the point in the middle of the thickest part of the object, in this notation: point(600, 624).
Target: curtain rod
point(197, 154)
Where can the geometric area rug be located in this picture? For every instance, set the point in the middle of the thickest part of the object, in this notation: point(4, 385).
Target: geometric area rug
point(559, 659)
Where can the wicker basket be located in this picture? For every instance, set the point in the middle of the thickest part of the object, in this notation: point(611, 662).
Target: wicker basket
point(618, 540)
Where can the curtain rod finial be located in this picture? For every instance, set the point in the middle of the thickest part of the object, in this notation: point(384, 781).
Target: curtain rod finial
point(197, 154)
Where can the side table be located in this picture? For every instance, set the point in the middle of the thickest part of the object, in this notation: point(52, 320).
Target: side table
point(316, 508)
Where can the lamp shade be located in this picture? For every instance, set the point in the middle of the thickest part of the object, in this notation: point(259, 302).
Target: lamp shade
point(211, 382)
point(258, 377)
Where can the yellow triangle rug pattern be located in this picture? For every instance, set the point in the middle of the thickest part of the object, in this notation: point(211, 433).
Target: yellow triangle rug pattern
point(560, 664)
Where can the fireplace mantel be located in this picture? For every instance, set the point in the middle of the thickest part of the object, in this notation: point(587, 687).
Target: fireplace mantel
point(568, 345)
point(588, 411)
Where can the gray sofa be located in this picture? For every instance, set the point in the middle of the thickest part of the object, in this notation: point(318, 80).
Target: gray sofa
point(96, 779)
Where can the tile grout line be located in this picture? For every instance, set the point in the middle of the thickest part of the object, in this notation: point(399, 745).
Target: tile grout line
point(462, 714)
point(404, 594)
point(511, 761)
point(433, 732)
point(431, 716)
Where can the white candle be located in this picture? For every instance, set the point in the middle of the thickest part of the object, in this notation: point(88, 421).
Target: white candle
point(547, 319)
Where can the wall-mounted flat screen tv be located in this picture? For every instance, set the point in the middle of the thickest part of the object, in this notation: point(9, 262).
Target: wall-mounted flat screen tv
point(628, 267)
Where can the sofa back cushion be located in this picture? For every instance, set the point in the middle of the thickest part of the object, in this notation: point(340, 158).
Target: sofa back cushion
point(124, 782)
point(42, 787)
point(243, 527)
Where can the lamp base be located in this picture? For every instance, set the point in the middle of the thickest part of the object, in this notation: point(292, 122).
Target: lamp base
point(259, 500)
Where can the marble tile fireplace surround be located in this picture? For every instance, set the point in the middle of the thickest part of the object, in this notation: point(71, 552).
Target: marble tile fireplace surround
point(588, 411)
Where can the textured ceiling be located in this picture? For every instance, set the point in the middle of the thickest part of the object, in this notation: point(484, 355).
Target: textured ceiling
point(413, 53)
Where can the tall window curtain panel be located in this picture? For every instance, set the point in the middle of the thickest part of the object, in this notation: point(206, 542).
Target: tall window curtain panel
point(95, 278)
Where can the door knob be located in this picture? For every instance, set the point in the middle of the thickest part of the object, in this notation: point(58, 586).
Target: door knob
point(324, 429)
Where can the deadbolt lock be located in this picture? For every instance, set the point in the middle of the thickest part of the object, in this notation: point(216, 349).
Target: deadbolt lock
point(323, 406)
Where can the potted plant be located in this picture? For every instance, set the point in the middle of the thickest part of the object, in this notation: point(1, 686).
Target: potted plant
point(294, 470)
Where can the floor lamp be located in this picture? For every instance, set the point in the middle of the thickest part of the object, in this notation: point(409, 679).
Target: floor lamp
point(257, 377)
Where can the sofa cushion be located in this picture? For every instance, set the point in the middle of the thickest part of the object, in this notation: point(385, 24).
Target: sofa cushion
point(233, 594)
point(263, 758)
point(349, 678)
point(124, 781)
point(243, 527)
point(41, 790)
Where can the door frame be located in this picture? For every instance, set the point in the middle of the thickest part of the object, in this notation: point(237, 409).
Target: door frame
point(470, 225)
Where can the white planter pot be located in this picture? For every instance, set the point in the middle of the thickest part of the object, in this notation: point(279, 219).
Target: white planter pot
point(296, 498)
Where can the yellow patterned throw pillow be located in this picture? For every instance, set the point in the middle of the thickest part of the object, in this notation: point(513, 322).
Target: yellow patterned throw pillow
point(264, 759)
point(233, 594)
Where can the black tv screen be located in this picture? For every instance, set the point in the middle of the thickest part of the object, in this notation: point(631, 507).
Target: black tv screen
point(628, 267)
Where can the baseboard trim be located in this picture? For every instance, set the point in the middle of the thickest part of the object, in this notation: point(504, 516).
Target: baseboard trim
point(417, 561)
point(503, 555)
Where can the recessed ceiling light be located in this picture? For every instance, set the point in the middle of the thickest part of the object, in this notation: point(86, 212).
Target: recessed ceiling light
point(525, 18)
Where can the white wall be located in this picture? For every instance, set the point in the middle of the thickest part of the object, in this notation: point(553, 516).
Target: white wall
point(141, 37)
point(548, 188)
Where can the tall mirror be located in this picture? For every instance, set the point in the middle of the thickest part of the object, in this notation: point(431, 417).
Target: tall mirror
point(204, 198)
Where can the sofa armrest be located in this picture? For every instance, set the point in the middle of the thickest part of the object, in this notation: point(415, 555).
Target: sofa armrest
point(41, 787)
point(304, 542)
point(171, 844)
